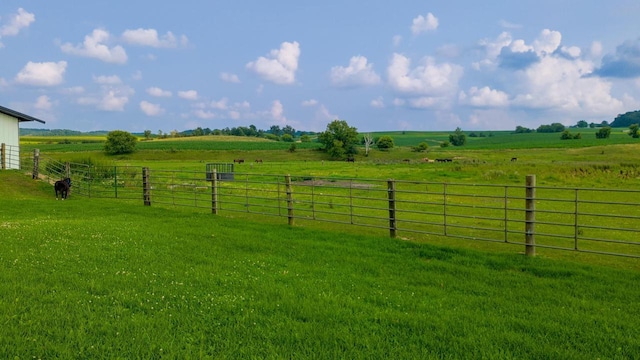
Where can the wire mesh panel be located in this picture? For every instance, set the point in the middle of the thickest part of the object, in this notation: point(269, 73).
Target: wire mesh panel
point(224, 171)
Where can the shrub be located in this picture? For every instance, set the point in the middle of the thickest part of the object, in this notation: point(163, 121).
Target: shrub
point(385, 142)
point(603, 133)
point(423, 146)
point(305, 138)
point(120, 142)
point(458, 138)
point(567, 135)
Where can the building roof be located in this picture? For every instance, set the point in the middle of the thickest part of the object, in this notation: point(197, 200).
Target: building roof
point(20, 116)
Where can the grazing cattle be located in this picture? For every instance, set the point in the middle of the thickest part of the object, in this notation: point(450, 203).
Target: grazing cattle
point(406, 160)
point(428, 160)
point(444, 160)
point(259, 161)
point(514, 159)
point(62, 187)
point(239, 161)
point(351, 159)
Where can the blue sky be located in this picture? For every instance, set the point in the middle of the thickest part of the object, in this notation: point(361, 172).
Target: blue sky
point(379, 65)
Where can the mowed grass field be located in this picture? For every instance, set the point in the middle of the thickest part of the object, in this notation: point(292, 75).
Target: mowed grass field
point(103, 278)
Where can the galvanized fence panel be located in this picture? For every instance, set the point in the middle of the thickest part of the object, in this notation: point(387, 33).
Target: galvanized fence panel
point(603, 221)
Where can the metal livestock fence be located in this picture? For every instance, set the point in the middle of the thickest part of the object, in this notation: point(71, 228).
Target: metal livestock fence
point(602, 221)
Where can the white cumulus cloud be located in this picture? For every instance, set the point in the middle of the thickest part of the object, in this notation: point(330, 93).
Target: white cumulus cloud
point(230, 78)
point(43, 103)
point(484, 97)
point(110, 98)
point(149, 37)
point(151, 109)
point(428, 78)
point(16, 23)
point(377, 102)
point(277, 112)
point(424, 23)
point(560, 84)
point(358, 73)
point(95, 46)
point(310, 102)
point(42, 73)
point(188, 95)
point(280, 66)
point(158, 92)
point(107, 80)
point(547, 42)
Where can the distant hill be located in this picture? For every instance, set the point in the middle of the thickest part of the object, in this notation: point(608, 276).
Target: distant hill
point(626, 119)
point(61, 132)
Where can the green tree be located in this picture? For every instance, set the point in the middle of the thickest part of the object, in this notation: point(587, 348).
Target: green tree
point(582, 124)
point(275, 130)
point(339, 139)
point(385, 142)
point(458, 138)
point(554, 127)
point(603, 133)
point(147, 134)
point(626, 119)
point(289, 130)
point(286, 138)
point(522, 130)
point(634, 131)
point(120, 142)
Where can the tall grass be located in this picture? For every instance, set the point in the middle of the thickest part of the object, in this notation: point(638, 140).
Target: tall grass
point(90, 278)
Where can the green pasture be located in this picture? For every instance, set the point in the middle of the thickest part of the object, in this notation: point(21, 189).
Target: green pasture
point(608, 165)
point(509, 140)
point(107, 278)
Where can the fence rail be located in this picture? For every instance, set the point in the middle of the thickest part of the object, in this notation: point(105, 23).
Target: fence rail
point(602, 221)
point(9, 156)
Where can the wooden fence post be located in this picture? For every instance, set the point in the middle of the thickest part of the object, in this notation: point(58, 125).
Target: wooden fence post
point(214, 192)
point(391, 189)
point(3, 156)
point(287, 180)
point(146, 187)
point(530, 216)
point(36, 161)
point(67, 169)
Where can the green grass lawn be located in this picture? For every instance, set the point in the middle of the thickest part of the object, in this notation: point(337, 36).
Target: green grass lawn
point(100, 278)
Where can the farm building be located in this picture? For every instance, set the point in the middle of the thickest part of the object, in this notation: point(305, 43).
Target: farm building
point(10, 136)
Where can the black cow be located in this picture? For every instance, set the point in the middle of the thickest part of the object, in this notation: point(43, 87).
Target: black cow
point(62, 186)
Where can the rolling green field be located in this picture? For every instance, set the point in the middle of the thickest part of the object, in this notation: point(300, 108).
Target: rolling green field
point(101, 278)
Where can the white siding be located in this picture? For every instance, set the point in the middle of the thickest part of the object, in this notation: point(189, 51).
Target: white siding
point(10, 136)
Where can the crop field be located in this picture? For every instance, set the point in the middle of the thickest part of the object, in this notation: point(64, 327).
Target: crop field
point(94, 277)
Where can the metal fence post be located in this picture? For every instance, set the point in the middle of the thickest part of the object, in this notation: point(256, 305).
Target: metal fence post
point(530, 216)
point(287, 180)
point(3, 155)
point(146, 187)
point(115, 180)
point(214, 192)
point(36, 161)
point(391, 190)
